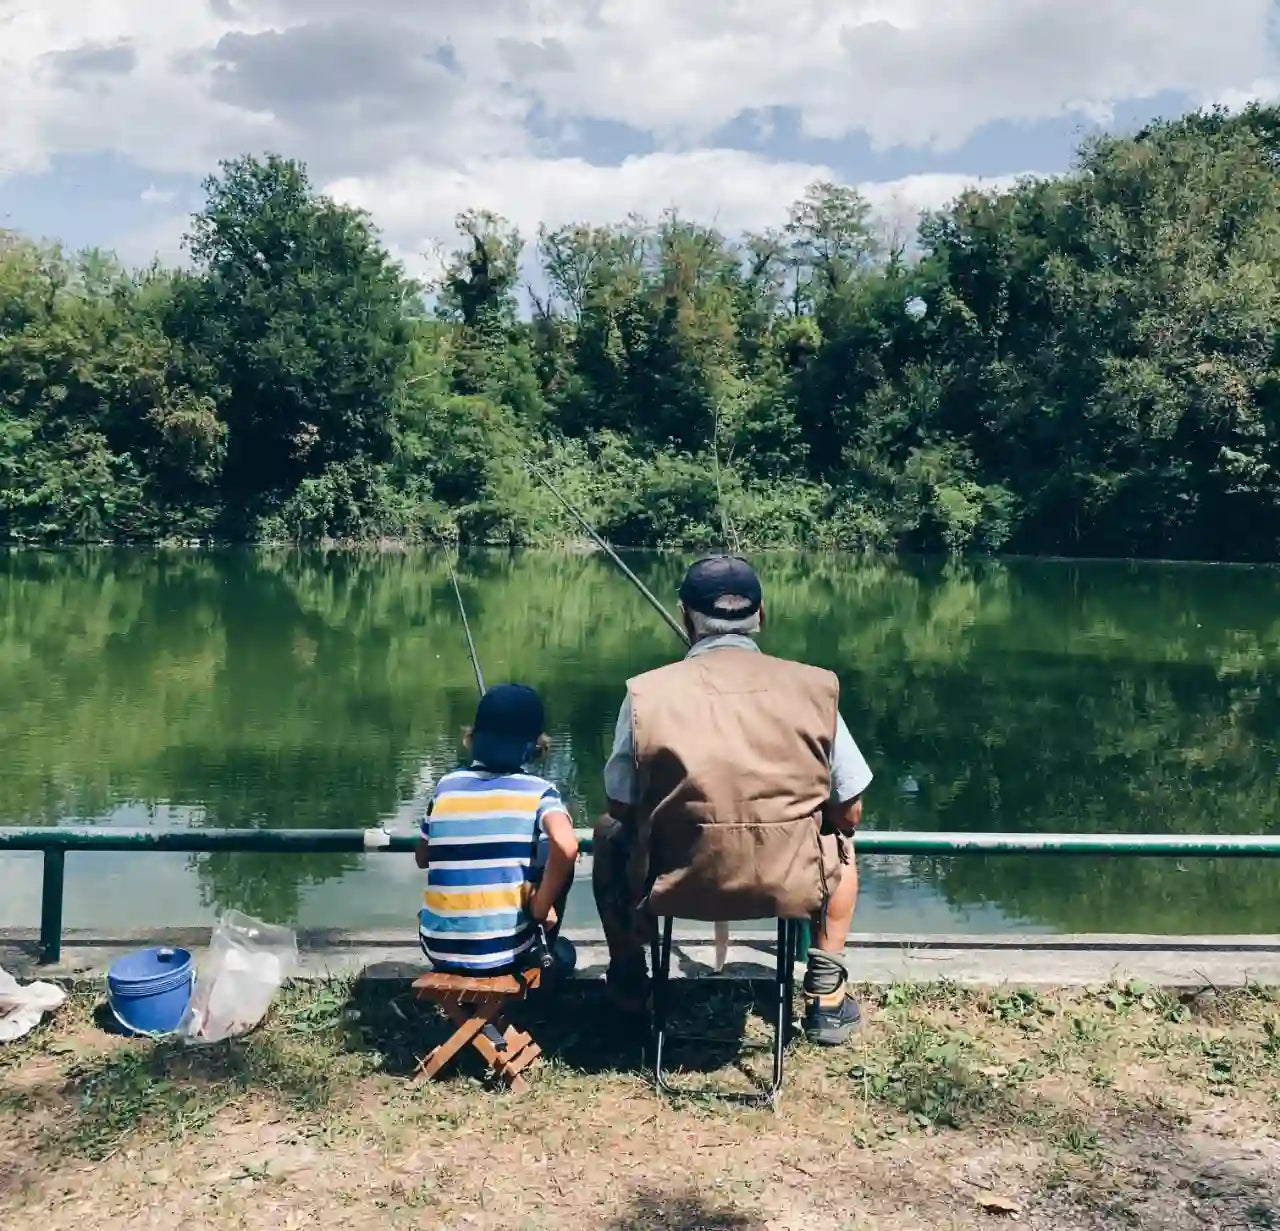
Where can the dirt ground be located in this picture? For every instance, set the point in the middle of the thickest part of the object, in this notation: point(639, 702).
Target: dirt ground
point(1115, 1107)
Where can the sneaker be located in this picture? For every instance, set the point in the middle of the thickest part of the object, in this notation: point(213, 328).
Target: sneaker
point(830, 1020)
point(566, 956)
point(564, 961)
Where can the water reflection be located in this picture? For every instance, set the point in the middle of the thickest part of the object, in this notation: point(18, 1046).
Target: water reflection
point(307, 689)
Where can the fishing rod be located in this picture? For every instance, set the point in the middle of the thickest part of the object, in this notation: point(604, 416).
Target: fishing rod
point(466, 628)
point(542, 947)
point(380, 836)
point(672, 622)
point(721, 927)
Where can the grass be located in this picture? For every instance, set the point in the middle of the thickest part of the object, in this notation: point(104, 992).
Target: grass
point(954, 1106)
point(935, 1077)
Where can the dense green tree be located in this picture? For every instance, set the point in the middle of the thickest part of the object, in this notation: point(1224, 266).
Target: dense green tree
point(101, 435)
point(1095, 371)
point(307, 323)
point(1109, 340)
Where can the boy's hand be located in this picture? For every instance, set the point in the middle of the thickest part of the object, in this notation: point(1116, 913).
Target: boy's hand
point(544, 914)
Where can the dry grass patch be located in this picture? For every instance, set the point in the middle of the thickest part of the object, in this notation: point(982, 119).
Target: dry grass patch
point(953, 1108)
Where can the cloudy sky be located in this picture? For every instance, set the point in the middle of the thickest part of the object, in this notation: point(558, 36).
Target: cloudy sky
point(111, 111)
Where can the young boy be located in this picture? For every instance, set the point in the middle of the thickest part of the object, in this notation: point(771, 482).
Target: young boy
point(498, 846)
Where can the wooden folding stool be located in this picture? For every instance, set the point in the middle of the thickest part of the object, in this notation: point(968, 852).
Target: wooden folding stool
point(473, 1003)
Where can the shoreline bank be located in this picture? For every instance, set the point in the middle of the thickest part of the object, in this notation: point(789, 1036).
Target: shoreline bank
point(1175, 962)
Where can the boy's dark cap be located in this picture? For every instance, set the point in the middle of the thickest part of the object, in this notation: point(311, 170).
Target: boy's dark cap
point(713, 579)
point(509, 720)
point(510, 709)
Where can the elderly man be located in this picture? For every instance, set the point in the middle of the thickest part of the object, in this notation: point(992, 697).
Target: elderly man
point(734, 792)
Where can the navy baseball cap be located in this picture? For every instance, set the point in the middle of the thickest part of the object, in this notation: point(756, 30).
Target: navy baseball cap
point(509, 720)
point(713, 579)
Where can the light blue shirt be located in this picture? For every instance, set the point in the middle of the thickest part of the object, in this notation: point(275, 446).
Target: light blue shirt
point(850, 774)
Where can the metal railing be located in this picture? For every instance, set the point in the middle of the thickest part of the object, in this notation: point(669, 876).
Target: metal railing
point(55, 843)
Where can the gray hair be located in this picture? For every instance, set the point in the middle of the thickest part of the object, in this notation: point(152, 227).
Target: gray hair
point(718, 626)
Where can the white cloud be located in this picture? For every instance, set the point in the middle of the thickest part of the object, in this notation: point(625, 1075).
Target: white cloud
point(151, 195)
point(156, 108)
point(1264, 90)
point(352, 85)
point(418, 110)
point(739, 190)
point(415, 204)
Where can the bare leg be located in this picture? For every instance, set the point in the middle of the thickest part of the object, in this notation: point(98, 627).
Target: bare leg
point(831, 1014)
point(610, 880)
point(831, 927)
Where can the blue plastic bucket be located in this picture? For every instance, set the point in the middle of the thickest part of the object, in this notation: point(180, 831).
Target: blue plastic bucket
point(149, 990)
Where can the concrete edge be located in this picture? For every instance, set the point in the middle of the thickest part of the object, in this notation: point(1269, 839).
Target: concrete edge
point(746, 933)
point(1195, 962)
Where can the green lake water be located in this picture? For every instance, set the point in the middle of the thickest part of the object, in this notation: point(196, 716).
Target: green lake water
point(303, 689)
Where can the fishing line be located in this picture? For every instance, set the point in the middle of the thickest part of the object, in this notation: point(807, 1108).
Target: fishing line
point(466, 628)
point(672, 622)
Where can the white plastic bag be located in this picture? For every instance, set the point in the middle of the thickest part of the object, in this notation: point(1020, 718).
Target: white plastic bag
point(238, 978)
point(21, 1008)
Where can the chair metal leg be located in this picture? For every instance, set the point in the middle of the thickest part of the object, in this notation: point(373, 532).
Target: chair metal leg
point(783, 993)
point(661, 952)
point(796, 930)
point(782, 1008)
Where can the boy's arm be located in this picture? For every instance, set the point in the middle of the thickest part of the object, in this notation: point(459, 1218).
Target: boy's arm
point(562, 851)
point(420, 851)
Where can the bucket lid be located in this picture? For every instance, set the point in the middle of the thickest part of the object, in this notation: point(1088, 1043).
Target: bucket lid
point(144, 969)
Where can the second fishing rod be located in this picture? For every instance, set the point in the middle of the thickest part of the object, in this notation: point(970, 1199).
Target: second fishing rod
point(590, 532)
point(721, 928)
point(466, 628)
point(542, 946)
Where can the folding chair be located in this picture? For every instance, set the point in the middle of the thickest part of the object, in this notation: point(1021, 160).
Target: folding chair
point(783, 1026)
point(478, 1006)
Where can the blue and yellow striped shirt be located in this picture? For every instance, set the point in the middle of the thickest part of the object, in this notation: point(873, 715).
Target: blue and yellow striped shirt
point(486, 846)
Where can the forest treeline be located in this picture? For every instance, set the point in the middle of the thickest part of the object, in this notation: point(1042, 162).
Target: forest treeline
point(1083, 365)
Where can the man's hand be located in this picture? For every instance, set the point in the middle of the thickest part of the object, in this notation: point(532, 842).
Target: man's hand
point(845, 817)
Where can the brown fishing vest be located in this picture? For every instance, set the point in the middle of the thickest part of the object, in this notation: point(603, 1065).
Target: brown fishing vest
point(733, 755)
